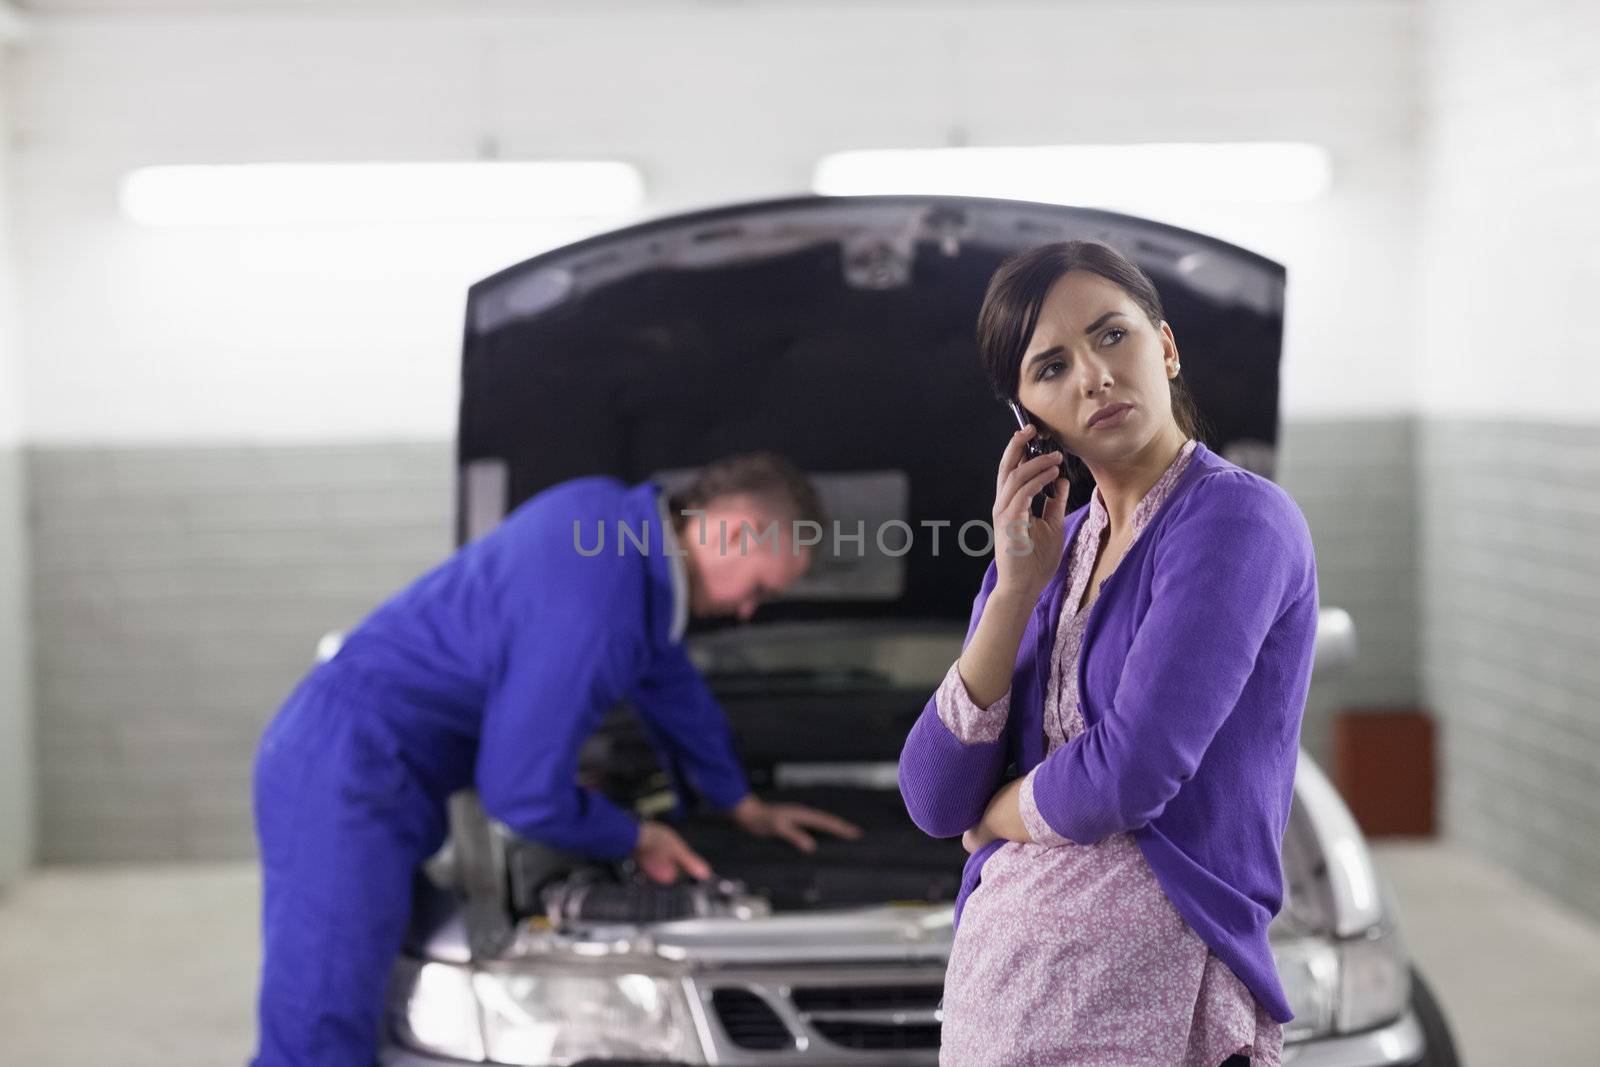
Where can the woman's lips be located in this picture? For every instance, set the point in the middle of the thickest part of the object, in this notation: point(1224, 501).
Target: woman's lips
point(1118, 416)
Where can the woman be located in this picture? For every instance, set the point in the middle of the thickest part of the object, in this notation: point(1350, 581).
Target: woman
point(1144, 663)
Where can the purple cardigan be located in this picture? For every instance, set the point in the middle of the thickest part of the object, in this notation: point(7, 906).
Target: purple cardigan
point(1192, 679)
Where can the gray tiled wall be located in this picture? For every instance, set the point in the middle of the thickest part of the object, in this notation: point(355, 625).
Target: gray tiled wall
point(1353, 480)
point(178, 594)
point(1510, 580)
point(16, 714)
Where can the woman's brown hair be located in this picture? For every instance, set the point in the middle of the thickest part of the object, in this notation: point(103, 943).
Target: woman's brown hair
point(1010, 314)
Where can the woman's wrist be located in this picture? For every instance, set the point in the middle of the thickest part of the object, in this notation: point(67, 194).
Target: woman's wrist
point(990, 657)
point(1009, 603)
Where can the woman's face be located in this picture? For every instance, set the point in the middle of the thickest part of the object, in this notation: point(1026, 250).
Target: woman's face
point(1094, 349)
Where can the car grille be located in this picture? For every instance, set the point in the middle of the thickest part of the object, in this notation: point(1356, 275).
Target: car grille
point(750, 1021)
point(866, 997)
point(879, 1036)
point(797, 1013)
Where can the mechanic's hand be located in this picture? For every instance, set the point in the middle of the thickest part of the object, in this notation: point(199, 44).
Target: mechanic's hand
point(790, 822)
point(1027, 549)
point(661, 854)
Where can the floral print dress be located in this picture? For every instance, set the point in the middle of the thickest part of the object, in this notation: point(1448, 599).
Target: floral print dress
point(1071, 953)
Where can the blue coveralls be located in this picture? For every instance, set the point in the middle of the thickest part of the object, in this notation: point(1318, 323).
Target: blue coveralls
point(490, 670)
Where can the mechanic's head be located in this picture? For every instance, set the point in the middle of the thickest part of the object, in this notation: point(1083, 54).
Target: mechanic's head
point(742, 551)
point(1073, 327)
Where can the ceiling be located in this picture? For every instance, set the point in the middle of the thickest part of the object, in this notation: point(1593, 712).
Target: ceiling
point(166, 7)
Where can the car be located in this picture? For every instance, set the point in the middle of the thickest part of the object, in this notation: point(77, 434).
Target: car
point(839, 332)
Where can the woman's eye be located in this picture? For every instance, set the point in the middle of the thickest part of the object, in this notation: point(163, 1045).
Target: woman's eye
point(1047, 372)
point(1113, 330)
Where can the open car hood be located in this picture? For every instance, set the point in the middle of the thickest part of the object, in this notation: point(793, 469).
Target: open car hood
point(839, 332)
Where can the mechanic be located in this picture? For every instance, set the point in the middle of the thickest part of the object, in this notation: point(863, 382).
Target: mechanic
point(489, 672)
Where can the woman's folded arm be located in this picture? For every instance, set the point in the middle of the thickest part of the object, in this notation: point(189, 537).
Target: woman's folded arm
point(946, 782)
point(971, 723)
point(1230, 563)
point(956, 752)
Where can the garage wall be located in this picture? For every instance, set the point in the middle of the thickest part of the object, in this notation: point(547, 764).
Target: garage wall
point(16, 716)
point(351, 333)
point(179, 594)
point(16, 711)
point(241, 438)
point(1355, 481)
point(1509, 441)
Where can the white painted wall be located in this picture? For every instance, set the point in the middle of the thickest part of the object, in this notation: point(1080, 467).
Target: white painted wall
point(316, 334)
point(1510, 241)
point(11, 383)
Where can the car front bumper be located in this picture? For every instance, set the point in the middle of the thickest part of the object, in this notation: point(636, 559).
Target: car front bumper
point(1399, 1044)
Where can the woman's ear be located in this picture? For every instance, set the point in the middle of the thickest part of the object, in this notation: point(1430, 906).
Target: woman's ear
point(1169, 349)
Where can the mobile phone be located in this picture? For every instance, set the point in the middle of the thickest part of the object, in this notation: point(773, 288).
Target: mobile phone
point(1038, 444)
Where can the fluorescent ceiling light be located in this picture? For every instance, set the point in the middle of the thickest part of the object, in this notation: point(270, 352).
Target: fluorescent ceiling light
point(1098, 174)
point(256, 194)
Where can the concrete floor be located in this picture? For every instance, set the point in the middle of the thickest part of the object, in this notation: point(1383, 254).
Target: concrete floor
point(155, 966)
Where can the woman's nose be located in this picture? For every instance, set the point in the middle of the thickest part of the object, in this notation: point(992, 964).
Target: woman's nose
point(1096, 376)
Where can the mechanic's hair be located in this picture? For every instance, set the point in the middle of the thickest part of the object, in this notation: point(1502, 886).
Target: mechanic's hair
point(767, 476)
point(1010, 313)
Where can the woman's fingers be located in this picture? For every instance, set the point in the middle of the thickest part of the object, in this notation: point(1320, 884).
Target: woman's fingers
point(976, 838)
point(1019, 503)
point(1047, 474)
point(1027, 472)
point(1036, 485)
point(1055, 508)
point(1020, 479)
point(1013, 454)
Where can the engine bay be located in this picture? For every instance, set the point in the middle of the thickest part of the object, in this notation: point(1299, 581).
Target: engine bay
point(891, 863)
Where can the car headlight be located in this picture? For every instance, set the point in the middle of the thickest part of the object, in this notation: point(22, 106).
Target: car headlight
point(559, 1018)
point(432, 1008)
point(1343, 965)
point(1342, 986)
point(1374, 981)
point(548, 1017)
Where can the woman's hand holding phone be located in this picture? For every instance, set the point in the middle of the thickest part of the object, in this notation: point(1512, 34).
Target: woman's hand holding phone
point(1027, 548)
point(1026, 552)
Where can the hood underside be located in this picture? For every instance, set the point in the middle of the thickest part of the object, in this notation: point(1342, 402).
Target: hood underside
point(837, 331)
